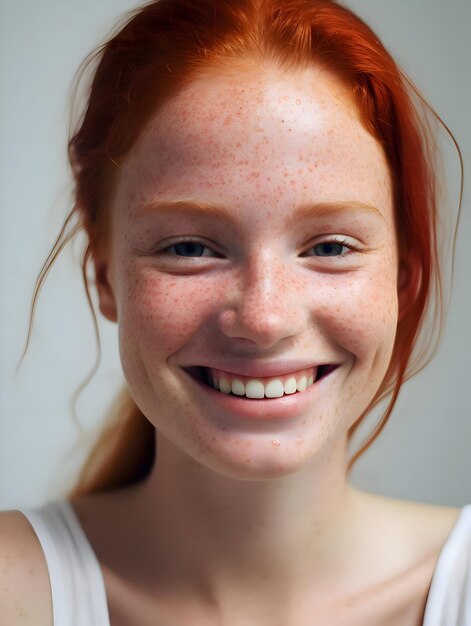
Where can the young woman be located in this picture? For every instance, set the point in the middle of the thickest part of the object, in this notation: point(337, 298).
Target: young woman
point(260, 204)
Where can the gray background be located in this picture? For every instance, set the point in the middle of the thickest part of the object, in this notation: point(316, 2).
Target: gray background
point(424, 452)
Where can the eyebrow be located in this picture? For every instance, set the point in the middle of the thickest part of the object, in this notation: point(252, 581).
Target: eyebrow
point(218, 212)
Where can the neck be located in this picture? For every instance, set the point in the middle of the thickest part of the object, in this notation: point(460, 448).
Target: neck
point(223, 535)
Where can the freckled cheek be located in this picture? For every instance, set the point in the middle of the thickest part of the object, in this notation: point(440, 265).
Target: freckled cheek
point(361, 315)
point(158, 314)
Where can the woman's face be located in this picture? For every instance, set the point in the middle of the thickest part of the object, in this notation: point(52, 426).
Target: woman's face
point(272, 286)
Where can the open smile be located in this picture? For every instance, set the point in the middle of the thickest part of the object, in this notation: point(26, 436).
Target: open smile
point(287, 406)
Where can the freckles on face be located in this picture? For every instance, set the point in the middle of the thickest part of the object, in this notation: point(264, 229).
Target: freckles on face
point(218, 136)
point(262, 148)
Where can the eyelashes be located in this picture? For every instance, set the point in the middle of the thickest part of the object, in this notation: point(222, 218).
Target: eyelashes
point(184, 241)
point(332, 246)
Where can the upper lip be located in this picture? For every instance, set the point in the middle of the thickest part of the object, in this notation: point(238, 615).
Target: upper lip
point(262, 370)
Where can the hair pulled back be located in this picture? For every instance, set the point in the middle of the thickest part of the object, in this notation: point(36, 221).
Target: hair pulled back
point(159, 49)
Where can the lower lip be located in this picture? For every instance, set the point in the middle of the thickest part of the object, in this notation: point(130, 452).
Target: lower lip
point(286, 407)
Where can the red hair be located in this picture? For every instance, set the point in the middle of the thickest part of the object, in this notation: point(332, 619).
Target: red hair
point(161, 47)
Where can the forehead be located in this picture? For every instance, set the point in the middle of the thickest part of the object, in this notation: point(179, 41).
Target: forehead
point(247, 136)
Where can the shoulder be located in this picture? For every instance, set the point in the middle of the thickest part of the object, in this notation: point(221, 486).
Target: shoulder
point(404, 540)
point(25, 592)
point(406, 534)
point(427, 524)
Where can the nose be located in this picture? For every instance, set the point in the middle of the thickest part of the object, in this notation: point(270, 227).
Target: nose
point(266, 305)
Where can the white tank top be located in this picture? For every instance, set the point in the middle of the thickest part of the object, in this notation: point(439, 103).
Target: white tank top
point(78, 588)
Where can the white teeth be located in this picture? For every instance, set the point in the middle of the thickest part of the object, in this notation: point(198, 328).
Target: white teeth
point(256, 389)
point(224, 385)
point(302, 383)
point(274, 389)
point(290, 385)
point(238, 388)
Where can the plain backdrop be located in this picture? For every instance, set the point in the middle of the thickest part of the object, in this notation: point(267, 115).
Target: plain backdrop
point(424, 452)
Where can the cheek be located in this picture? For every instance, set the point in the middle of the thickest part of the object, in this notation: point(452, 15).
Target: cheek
point(159, 313)
point(356, 311)
point(360, 312)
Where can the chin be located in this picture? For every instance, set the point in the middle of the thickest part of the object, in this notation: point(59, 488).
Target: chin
point(261, 464)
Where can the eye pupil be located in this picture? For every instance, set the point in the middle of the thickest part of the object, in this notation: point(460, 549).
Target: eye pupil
point(328, 248)
point(188, 246)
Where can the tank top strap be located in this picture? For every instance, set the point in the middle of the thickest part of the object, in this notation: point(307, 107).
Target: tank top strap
point(77, 584)
point(449, 597)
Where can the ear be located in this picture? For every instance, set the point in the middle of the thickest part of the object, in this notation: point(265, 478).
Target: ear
point(106, 296)
point(408, 283)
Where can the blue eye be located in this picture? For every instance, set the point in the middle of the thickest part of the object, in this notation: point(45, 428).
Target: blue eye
point(188, 246)
point(329, 248)
point(193, 248)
